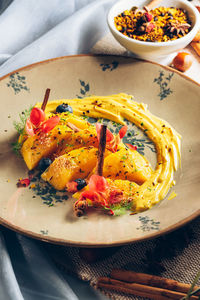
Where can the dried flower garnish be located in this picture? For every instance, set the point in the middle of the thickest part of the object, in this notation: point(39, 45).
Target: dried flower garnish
point(161, 24)
point(177, 28)
point(23, 182)
point(98, 195)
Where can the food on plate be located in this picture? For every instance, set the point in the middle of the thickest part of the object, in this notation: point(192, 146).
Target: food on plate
point(127, 164)
point(43, 144)
point(76, 164)
point(161, 24)
point(95, 164)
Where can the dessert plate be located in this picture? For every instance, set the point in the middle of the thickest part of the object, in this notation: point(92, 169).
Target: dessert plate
point(43, 213)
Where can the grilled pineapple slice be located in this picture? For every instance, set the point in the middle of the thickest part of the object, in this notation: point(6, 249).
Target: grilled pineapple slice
point(77, 163)
point(127, 164)
point(127, 187)
point(44, 144)
point(83, 138)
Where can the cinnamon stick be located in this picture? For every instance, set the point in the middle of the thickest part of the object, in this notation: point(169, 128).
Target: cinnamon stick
point(46, 98)
point(101, 150)
point(152, 280)
point(196, 47)
point(197, 37)
point(152, 4)
point(141, 290)
point(130, 291)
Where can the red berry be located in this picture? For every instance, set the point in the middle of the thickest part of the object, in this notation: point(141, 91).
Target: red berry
point(37, 116)
point(49, 124)
point(150, 27)
point(148, 16)
point(109, 135)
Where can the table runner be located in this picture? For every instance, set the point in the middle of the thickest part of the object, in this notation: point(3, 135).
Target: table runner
point(175, 255)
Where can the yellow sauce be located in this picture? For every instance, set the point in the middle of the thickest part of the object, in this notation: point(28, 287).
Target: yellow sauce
point(167, 141)
point(172, 196)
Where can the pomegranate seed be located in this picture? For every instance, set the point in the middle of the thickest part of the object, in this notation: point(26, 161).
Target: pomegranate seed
point(131, 147)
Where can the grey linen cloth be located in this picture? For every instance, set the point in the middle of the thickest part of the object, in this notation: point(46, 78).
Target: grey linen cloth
point(31, 31)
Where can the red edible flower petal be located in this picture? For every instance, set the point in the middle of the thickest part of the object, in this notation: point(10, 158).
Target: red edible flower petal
point(97, 184)
point(49, 124)
point(131, 147)
point(123, 131)
point(91, 195)
point(29, 127)
point(109, 135)
point(37, 116)
point(111, 140)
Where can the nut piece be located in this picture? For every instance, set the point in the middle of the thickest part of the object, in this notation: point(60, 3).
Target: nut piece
point(182, 61)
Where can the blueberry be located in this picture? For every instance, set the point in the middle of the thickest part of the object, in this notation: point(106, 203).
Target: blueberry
point(44, 163)
point(81, 183)
point(64, 108)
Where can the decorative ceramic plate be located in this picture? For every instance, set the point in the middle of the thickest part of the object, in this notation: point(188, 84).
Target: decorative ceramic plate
point(42, 212)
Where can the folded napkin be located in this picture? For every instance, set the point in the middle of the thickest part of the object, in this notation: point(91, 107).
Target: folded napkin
point(26, 272)
point(9, 288)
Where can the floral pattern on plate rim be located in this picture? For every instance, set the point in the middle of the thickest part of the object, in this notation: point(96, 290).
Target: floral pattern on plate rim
point(18, 83)
point(148, 224)
point(163, 81)
point(111, 66)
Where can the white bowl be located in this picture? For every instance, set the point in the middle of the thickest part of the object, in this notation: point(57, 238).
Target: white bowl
point(149, 50)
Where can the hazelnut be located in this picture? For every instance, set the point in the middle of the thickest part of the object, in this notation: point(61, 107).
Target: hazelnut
point(182, 61)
